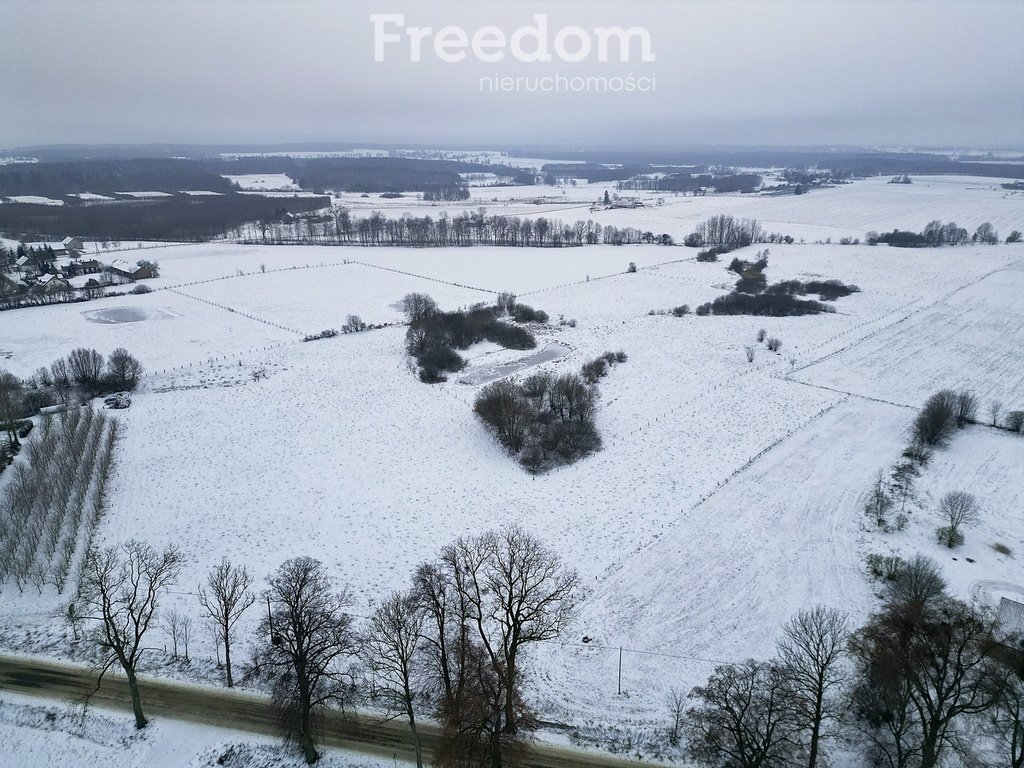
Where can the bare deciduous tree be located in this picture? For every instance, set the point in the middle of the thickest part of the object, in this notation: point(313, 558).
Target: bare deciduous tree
point(1004, 723)
point(10, 386)
point(392, 645)
point(675, 701)
point(878, 503)
point(921, 672)
point(966, 407)
point(810, 653)
point(958, 508)
point(120, 589)
point(226, 596)
point(934, 423)
point(124, 370)
point(518, 592)
point(918, 582)
point(740, 718)
point(85, 366)
point(418, 306)
point(995, 408)
point(305, 642)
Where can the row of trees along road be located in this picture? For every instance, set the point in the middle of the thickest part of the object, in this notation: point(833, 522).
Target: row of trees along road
point(455, 637)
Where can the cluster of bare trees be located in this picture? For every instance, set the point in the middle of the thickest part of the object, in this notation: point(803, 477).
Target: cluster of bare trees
point(85, 370)
point(51, 505)
point(466, 228)
point(726, 230)
point(936, 234)
point(546, 420)
point(433, 335)
point(457, 640)
point(918, 684)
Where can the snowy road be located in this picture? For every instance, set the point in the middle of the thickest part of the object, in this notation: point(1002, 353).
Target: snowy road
point(249, 712)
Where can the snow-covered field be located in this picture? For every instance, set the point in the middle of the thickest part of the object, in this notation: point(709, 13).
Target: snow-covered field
point(38, 734)
point(263, 181)
point(727, 496)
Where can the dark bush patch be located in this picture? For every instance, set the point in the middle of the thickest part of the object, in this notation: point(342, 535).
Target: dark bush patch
point(827, 290)
point(769, 304)
point(523, 313)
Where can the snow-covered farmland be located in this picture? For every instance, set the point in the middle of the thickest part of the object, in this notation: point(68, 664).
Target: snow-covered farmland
point(263, 181)
point(728, 493)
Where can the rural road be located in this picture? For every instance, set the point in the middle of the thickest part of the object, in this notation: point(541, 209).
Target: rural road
point(250, 712)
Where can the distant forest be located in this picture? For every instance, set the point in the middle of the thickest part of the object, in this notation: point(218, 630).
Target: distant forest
point(109, 176)
point(371, 175)
point(181, 218)
point(857, 163)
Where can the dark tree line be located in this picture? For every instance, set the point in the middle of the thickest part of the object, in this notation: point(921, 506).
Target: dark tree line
point(183, 218)
point(340, 227)
point(685, 182)
point(935, 234)
point(108, 177)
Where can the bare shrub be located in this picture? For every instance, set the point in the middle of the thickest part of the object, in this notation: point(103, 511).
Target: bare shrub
point(1015, 421)
point(918, 582)
point(774, 344)
point(966, 408)
point(749, 351)
point(934, 424)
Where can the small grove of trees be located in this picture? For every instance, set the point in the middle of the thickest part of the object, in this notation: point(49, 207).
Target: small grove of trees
point(726, 230)
point(924, 669)
point(546, 420)
point(942, 413)
point(911, 685)
point(487, 599)
point(118, 595)
point(753, 296)
point(935, 234)
point(776, 712)
point(53, 499)
point(86, 370)
point(433, 336)
point(455, 641)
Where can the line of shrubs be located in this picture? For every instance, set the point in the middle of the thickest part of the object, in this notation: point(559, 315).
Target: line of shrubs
point(945, 412)
point(546, 420)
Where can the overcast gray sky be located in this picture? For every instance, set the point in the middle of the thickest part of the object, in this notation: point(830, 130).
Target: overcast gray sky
point(756, 72)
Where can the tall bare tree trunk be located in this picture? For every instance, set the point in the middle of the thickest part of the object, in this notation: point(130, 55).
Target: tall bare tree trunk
point(133, 687)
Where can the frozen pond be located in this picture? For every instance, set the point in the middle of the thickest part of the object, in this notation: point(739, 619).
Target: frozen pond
point(487, 374)
point(116, 315)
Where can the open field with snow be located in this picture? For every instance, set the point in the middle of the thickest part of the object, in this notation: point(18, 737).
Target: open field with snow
point(728, 493)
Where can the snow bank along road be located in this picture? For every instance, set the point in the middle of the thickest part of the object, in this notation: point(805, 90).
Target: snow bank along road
point(249, 712)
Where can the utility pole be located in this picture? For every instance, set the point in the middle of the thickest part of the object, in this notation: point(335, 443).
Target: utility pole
point(620, 670)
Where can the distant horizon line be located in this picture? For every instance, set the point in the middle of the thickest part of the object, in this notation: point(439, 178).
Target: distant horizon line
point(338, 146)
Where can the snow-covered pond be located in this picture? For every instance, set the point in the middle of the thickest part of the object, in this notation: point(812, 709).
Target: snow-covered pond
point(489, 373)
point(116, 315)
